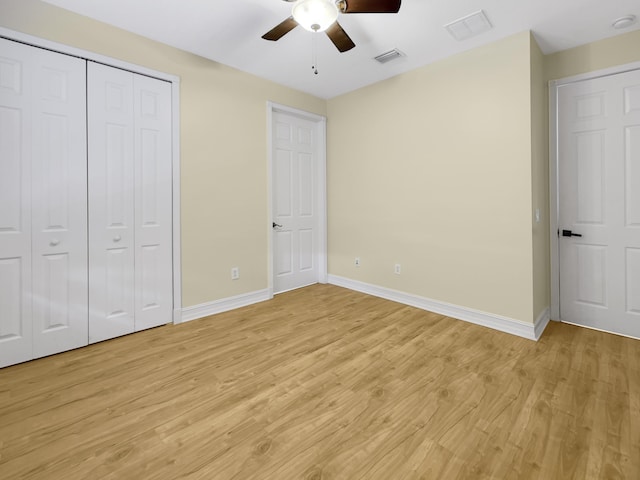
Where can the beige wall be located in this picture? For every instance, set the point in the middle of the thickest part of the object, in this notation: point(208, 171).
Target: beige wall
point(540, 181)
point(223, 146)
point(432, 169)
point(605, 53)
point(458, 215)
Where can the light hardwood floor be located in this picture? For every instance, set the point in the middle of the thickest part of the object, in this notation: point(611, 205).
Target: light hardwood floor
point(325, 383)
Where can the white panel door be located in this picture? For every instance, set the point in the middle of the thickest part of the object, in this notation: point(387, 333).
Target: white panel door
point(153, 203)
point(15, 203)
point(111, 202)
point(130, 204)
point(59, 203)
point(599, 200)
point(295, 217)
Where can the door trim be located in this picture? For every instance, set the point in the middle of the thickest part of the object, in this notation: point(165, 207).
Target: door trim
point(175, 136)
point(321, 199)
point(554, 185)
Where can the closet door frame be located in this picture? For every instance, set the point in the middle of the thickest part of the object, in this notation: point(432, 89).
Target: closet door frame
point(175, 136)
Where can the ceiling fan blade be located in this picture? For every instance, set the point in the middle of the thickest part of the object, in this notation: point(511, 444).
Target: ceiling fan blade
point(369, 6)
point(339, 37)
point(280, 30)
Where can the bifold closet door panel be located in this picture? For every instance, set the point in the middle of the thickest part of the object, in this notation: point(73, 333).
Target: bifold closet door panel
point(130, 182)
point(153, 213)
point(111, 202)
point(59, 203)
point(15, 203)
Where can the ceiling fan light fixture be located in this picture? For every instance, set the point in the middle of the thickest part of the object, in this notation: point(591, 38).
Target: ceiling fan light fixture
point(315, 15)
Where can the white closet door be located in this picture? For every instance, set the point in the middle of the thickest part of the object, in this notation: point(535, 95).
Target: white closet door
point(153, 237)
point(131, 281)
point(15, 203)
point(59, 203)
point(111, 202)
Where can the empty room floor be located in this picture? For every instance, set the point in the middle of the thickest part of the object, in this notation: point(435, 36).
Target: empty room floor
point(327, 383)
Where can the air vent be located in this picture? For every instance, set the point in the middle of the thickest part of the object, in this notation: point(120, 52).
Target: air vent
point(469, 26)
point(624, 22)
point(388, 56)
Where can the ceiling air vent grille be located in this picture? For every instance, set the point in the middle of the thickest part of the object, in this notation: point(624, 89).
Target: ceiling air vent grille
point(469, 26)
point(388, 56)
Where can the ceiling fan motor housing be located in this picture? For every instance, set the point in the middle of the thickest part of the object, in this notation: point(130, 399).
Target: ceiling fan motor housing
point(322, 15)
point(315, 15)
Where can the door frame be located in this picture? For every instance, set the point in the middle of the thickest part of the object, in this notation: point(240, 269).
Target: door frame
point(175, 136)
point(320, 122)
point(554, 185)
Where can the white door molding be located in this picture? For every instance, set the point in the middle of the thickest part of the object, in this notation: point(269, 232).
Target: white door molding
point(321, 132)
point(175, 136)
point(553, 172)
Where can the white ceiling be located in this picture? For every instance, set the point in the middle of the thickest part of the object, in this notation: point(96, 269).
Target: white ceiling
point(229, 32)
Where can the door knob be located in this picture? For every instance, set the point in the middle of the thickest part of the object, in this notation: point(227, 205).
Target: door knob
point(569, 233)
point(54, 242)
point(276, 225)
point(117, 238)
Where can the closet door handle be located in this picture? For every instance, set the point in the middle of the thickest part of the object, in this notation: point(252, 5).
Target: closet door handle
point(117, 238)
point(54, 242)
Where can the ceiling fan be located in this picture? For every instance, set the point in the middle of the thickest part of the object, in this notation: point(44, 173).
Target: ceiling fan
point(321, 16)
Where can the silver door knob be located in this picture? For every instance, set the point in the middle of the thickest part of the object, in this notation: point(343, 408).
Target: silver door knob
point(54, 242)
point(117, 238)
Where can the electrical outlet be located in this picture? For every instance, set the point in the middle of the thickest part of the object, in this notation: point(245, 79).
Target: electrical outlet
point(357, 262)
point(396, 269)
point(235, 273)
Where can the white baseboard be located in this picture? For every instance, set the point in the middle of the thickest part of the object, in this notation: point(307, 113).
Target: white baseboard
point(541, 322)
point(496, 322)
point(224, 305)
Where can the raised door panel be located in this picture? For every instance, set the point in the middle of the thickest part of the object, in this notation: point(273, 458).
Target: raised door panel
point(15, 203)
point(283, 187)
point(306, 207)
point(11, 301)
point(283, 207)
point(590, 178)
point(111, 202)
point(153, 203)
point(284, 254)
point(632, 264)
point(632, 176)
point(591, 264)
point(59, 208)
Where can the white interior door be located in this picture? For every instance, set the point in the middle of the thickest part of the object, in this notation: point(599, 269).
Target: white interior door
point(599, 199)
point(59, 203)
point(15, 203)
point(153, 204)
point(295, 202)
point(111, 202)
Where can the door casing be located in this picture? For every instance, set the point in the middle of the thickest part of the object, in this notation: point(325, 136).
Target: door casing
point(554, 185)
point(321, 197)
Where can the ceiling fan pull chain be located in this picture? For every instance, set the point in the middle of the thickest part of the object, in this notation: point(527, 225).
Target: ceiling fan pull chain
point(314, 54)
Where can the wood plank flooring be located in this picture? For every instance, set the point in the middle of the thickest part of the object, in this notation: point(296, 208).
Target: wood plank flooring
point(325, 383)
